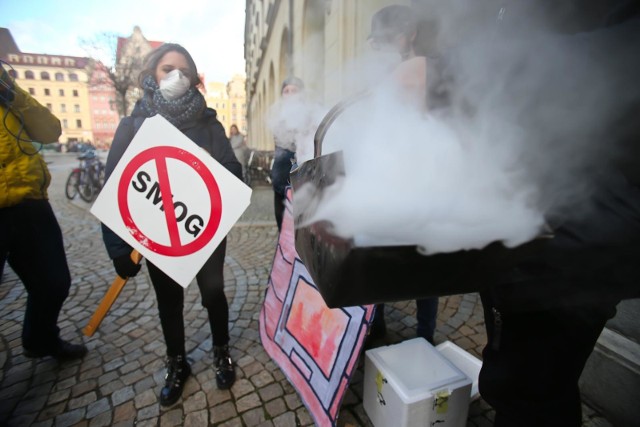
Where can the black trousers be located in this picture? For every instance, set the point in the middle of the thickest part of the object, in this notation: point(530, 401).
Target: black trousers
point(282, 163)
point(170, 297)
point(31, 241)
point(533, 361)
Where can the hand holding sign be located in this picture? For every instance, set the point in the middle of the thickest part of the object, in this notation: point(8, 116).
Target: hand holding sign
point(110, 297)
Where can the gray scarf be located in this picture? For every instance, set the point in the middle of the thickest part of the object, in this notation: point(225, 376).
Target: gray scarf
point(179, 111)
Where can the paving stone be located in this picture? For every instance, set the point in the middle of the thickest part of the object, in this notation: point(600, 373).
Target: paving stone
point(124, 412)
point(248, 402)
point(100, 420)
point(50, 412)
point(242, 387)
point(70, 418)
point(286, 420)
point(223, 412)
point(195, 402)
point(270, 392)
point(146, 398)
point(254, 417)
point(122, 395)
point(262, 379)
point(171, 418)
point(82, 401)
point(148, 412)
point(275, 407)
point(197, 419)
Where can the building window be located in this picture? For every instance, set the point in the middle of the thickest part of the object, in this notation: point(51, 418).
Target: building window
point(50, 107)
point(75, 92)
point(47, 92)
point(73, 77)
point(61, 92)
point(13, 73)
point(63, 108)
point(234, 106)
point(44, 76)
point(59, 77)
point(78, 123)
point(29, 75)
point(32, 91)
point(64, 123)
point(76, 108)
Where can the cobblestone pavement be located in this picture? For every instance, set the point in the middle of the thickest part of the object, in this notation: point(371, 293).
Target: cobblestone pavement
point(119, 380)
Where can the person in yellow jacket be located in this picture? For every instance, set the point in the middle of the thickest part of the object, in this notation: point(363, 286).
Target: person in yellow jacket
point(30, 236)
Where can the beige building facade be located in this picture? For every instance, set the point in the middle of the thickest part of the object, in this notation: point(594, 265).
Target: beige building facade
point(316, 40)
point(230, 102)
point(61, 84)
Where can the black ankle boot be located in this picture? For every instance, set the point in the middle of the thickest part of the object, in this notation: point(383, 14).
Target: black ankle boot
point(178, 370)
point(225, 372)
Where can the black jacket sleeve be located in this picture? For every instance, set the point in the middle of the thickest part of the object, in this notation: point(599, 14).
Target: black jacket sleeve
point(123, 136)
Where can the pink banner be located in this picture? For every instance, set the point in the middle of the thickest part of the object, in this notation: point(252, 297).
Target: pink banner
point(316, 347)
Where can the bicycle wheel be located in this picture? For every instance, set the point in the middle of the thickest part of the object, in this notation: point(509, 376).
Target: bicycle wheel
point(71, 189)
point(85, 187)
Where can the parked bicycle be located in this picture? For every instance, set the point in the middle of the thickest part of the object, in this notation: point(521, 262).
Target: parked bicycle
point(259, 167)
point(87, 179)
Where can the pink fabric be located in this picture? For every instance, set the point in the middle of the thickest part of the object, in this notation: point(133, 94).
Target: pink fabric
point(316, 347)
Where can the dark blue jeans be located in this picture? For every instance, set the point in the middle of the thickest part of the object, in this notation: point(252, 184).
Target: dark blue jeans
point(31, 241)
point(426, 314)
point(280, 170)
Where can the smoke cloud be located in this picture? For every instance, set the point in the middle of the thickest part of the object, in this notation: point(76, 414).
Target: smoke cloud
point(530, 129)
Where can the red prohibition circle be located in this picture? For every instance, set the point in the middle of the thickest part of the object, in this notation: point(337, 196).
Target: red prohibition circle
point(159, 155)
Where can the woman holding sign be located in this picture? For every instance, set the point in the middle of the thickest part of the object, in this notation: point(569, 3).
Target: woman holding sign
point(170, 83)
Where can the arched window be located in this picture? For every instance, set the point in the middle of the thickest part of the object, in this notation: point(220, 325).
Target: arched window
point(29, 75)
point(45, 76)
point(73, 77)
point(59, 77)
point(13, 73)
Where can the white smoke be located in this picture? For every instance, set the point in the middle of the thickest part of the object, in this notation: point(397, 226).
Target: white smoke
point(411, 179)
point(293, 122)
point(523, 141)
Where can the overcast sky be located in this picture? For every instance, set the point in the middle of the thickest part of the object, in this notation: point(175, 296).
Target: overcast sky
point(211, 30)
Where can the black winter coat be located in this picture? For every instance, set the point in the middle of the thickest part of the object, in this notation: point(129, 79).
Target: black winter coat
point(206, 131)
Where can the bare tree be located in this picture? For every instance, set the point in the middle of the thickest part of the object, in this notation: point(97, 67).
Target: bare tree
point(119, 71)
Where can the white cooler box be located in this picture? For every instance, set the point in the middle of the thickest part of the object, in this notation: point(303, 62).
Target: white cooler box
point(412, 384)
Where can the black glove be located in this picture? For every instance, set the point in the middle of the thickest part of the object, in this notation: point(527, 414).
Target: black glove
point(125, 267)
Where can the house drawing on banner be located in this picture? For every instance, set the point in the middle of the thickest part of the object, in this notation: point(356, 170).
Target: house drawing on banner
point(316, 347)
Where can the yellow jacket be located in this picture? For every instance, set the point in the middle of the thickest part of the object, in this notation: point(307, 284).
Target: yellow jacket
point(24, 175)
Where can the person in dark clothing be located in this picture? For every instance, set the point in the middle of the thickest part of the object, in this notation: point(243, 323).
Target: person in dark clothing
point(285, 152)
point(170, 83)
point(30, 236)
point(395, 28)
point(543, 318)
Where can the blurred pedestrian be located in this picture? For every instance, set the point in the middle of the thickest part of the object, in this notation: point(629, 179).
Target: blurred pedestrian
point(285, 136)
point(170, 81)
point(239, 144)
point(30, 236)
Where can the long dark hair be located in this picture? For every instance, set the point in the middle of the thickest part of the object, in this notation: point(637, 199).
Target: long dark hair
point(153, 58)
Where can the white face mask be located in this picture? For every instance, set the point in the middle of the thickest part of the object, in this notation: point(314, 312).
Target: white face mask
point(174, 85)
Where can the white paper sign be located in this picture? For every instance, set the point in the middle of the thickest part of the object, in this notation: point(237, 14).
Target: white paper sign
point(161, 164)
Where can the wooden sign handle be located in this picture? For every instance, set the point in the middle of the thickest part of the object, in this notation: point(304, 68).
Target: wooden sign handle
point(108, 300)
